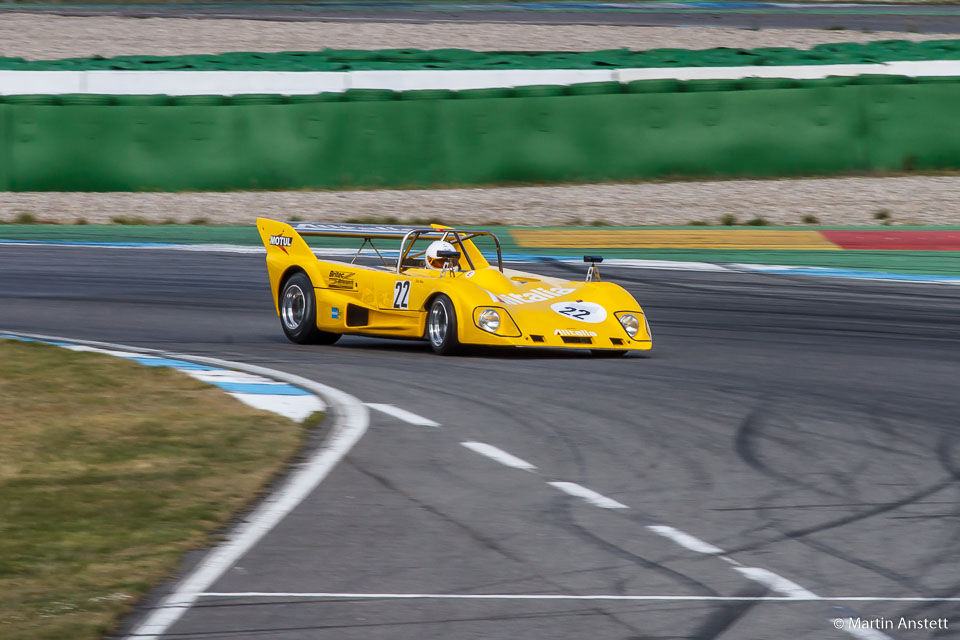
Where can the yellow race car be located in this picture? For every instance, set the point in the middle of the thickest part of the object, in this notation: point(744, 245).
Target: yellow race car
point(441, 288)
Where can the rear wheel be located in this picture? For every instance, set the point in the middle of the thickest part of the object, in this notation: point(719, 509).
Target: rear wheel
point(298, 312)
point(442, 326)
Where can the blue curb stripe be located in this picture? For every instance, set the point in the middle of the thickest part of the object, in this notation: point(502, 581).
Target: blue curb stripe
point(183, 365)
point(94, 243)
point(265, 388)
point(261, 389)
point(856, 273)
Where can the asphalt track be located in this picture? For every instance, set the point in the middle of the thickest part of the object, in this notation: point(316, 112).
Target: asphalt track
point(806, 426)
point(931, 18)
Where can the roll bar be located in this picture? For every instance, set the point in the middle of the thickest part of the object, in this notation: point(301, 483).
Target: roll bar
point(454, 236)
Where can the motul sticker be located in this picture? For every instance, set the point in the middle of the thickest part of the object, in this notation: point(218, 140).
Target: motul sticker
point(281, 242)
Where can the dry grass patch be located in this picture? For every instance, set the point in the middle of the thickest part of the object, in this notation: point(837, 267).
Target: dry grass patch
point(109, 472)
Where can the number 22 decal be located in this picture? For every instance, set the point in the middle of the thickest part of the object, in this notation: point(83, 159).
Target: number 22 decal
point(573, 312)
point(581, 310)
point(401, 294)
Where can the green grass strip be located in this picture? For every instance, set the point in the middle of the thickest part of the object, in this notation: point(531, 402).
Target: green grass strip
point(109, 472)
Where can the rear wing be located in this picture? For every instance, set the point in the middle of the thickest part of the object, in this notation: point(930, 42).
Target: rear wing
point(408, 235)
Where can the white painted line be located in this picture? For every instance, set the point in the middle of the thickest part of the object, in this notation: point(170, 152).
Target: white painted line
point(402, 414)
point(555, 596)
point(109, 352)
point(845, 624)
point(297, 408)
point(670, 265)
point(350, 422)
point(179, 82)
point(225, 375)
point(776, 582)
point(499, 455)
point(793, 591)
point(686, 540)
point(594, 498)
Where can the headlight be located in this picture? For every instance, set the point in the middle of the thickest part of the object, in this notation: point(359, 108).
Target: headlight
point(630, 324)
point(489, 320)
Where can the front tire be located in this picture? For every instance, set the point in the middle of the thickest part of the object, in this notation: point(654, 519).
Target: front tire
point(442, 326)
point(298, 312)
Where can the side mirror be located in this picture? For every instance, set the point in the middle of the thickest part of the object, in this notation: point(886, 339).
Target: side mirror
point(593, 273)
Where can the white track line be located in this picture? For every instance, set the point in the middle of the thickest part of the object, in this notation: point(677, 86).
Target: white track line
point(501, 456)
point(402, 414)
point(685, 540)
point(350, 422)
point(555, 596)
point(297, 408)
point(777, 583)
point(594, 498)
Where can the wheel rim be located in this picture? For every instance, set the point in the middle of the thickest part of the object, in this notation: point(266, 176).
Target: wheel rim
point(293, 308)
point(438, 324)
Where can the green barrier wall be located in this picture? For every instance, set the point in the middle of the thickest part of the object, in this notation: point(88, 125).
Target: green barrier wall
point(379, 139)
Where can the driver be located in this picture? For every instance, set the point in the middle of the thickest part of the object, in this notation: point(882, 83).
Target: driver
point(433, 258)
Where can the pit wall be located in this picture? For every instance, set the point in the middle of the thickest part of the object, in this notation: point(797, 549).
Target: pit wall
point(537, 134)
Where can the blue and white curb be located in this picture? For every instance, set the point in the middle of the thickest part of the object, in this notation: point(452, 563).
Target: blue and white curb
point(256, 391)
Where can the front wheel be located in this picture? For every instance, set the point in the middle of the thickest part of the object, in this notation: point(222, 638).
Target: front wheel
point(298, 312)
point(442, 326)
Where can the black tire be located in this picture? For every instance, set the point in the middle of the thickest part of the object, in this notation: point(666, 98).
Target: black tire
point(442, 326)
point(298, 312)
point(608, 353)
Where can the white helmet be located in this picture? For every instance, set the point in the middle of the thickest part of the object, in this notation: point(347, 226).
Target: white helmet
point(433, 258)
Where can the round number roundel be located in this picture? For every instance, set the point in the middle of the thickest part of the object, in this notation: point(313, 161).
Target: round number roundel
point(582, 311)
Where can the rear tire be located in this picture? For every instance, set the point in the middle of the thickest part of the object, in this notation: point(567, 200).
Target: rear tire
point(298, 312)
point(442, 326)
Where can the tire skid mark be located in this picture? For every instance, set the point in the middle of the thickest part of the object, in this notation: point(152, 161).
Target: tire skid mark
point(745, 445)
point(726, 616)
point(568, 522)
point(476, 536)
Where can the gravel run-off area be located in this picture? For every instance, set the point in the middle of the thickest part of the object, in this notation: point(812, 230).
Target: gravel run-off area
point(42, 36)
point(908, 200)
point(831, 201)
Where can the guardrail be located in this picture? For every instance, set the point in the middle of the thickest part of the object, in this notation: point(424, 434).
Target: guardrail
point(535, 134)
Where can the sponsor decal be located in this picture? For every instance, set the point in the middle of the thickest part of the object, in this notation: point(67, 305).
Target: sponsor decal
point(281, 241)
point(540, 294)
point(401, 294)
point(335, 313)
point(341, 280)
point(575, 332)
point(579, 310)
point(468, 274)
